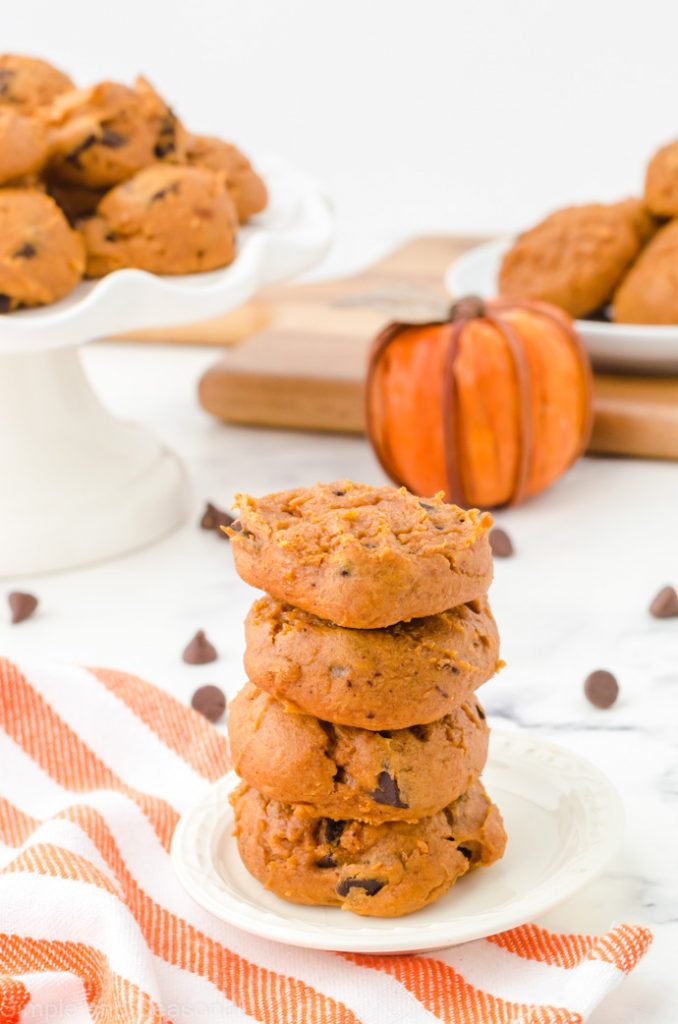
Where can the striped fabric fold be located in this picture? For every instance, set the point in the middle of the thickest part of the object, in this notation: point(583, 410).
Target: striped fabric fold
point(95, 768)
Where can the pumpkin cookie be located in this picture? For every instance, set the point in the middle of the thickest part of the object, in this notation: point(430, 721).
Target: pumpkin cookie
point(245, 187)
point(409, 673)
point(649, 292)
point(166, 219)
point(103, 135)
point(41, 257)
point(661, 182)
point(576, 257)
point(336, 771)
point(28, 83)
point(23, 145)
point(383, 870)
point(362, 556)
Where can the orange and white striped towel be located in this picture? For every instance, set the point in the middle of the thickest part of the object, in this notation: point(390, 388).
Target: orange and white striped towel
point(95, 768)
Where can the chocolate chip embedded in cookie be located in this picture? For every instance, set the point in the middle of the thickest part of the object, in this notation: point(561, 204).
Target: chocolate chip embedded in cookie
point(166, 219)
point(23, 145)
point(409, 673)
point(103, 135)
point(41, 257)
point(340, 772)
point(28, 83)
point(361, 556)
point(576, 257)
point(246, 188)
point(383, 870)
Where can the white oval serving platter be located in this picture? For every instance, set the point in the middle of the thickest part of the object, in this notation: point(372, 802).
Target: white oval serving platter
point(647, 348)
point(564, 821)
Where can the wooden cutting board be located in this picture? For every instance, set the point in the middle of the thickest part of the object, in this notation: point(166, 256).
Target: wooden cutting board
point(299, 352)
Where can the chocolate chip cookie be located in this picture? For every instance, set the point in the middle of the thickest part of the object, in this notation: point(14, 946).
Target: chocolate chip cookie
point(41, 257)
point(409, 673)
point(166, 219)
point(363, 557)
point(649, 292)
point(336, 771)
point(383, 870)
point(245, 187)
point(661, 181)
point(103, 135)
point(23, 145)
point(28, 84)
point(577, 256)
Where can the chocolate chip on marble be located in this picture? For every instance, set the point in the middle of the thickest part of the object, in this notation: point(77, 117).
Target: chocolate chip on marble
point(500, 543)
point(371, 886)
point(199, 651)
point(21, 605)
point(387, 791)
point(665, 604)
point(26, 252)
point(213, 518)
point(601, 688)
point(209, 701)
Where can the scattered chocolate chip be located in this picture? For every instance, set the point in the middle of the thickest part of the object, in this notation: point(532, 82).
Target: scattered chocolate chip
point(466, 852)
point(333, 830)
point(199, 651)
point(26, 252)
point(481, 713)
point(210, 701)
point(214, 518)
point(74, 156)
point(326, 862)
point(387, 791)
point(5, 303)
point(111, 139)
point(601, 688)
point(665, 604)
point(501, 543)
point(21, 605)
point(371, 886)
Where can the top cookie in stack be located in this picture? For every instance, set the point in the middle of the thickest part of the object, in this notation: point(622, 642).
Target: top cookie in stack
point(359, 737)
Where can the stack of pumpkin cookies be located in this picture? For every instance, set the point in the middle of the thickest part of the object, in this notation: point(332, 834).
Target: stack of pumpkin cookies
point(358, 736)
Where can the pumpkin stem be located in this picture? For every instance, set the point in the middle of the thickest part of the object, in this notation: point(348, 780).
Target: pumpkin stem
point(469, 308)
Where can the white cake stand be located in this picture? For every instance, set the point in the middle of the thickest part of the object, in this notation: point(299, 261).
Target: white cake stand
point(76, 484)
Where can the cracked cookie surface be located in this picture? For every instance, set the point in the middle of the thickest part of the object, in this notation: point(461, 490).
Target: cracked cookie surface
point(406, 674)
point(166, 219)
point(362, 556)
point(383, 870)
point(341, 772)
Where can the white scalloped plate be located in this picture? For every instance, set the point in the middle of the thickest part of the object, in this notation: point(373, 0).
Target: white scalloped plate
point(290, 235)
point(564, 821)
point(632, 347)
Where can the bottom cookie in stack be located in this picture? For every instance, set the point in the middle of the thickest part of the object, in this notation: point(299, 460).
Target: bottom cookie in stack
point(379, 870)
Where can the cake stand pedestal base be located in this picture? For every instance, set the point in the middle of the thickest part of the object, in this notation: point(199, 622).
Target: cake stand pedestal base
point(77, 485)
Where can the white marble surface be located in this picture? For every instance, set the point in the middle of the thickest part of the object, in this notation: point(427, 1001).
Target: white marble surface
point(590, 555)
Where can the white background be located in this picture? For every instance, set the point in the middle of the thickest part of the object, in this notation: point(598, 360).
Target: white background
point(415, 116)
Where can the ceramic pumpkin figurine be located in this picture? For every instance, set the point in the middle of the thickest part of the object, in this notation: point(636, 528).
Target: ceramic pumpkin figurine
point(490, 406)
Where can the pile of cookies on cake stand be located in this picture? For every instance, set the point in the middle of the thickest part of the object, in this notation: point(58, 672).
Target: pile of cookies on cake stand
point(359, 736)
